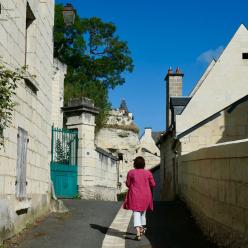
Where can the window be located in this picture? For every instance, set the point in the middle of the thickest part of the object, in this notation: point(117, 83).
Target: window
point(21, 164)
point(245, 55)
point(29, 20)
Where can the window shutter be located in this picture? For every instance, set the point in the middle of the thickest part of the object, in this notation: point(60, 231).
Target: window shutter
point(21, 164)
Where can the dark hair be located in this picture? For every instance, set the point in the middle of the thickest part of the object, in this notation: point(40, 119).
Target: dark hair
point(139, 163)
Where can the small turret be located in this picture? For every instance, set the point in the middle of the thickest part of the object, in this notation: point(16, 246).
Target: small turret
point(123, 106)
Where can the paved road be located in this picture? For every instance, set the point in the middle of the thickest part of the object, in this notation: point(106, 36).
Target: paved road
point(169, 226)
point(84, 227)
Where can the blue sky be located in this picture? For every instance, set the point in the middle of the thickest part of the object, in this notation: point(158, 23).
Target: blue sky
point(162, 33)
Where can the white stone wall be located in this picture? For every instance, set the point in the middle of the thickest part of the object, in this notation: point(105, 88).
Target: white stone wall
point(32, 112)
point(228, 126)
point(211, 176)
point(97, 171)
point(214, 183)
point(106, 177)
point(59, 71)
point(225, 82)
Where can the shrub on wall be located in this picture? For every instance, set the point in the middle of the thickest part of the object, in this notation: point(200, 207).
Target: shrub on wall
point(8, 84)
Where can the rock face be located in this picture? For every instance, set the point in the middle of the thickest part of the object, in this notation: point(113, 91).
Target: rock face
point(116, 140)
point(120, 137)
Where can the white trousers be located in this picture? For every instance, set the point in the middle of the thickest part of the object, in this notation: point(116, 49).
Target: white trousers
point(139, 218)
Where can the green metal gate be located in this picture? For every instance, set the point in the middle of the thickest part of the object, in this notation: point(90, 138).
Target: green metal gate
point(64, 162)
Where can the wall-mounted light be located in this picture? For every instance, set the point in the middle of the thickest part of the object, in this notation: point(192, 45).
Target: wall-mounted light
point(69, 14)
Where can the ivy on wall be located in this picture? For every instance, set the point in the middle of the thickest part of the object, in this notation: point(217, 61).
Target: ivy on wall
point(8, 84)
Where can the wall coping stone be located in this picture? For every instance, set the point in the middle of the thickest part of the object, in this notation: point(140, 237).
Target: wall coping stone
point(233, 149)
point(77, 106)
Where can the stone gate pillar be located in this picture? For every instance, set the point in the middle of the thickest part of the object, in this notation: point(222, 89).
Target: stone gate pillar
point(80, 114)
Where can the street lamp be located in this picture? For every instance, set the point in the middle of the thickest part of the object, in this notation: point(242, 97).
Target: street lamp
point(69, 14)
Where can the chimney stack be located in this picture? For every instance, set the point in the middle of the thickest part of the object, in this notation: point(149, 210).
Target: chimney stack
point(174, 86)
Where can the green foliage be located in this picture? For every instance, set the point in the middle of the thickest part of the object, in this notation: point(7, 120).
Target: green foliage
point(77, 197)
point(93, 90)
point(62, 153)
point(8, 84)
point(95, 56)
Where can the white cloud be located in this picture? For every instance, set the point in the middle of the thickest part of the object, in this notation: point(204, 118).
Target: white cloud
point(211, 54)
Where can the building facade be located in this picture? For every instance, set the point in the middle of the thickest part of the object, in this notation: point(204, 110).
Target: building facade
point(204, 149)
point(26, 31)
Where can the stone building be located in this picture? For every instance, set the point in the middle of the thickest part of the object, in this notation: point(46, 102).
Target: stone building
point(26, 31)
point(120, 137)
point(204, 149)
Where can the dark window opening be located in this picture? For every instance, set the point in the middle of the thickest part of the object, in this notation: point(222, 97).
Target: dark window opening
point(31, 86)
point(245, 55)
point(29, 20)
point(120, 156)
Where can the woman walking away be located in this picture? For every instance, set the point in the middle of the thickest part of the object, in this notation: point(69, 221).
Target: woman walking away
point(139, 195)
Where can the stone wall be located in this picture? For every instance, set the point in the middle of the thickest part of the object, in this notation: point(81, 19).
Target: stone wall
point(32, 112)
point(59, 72)
point(213, 174)
point(167, 169)
point(97, 168)
point(106, 176)
point(227, 125)
point(214, 183)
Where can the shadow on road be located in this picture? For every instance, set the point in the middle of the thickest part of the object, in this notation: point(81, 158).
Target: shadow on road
point(171, 225)
point(111, 231)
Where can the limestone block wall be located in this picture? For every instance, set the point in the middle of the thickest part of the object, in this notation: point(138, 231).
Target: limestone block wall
point(97, 168)
point(230, 124)
point(214, 183)
point(106, 177)
point(59, 71)
point(98, 178)
point(167, 169)
point(32, 112)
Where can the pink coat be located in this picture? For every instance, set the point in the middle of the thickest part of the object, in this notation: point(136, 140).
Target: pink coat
point(139, 195)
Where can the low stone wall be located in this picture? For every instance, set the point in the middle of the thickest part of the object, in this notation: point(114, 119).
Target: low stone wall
point(103, 183)
point(214, 183)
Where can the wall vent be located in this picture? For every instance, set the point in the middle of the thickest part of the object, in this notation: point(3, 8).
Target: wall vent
point(245, 55)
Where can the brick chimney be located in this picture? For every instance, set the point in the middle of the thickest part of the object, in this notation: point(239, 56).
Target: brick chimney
point(174, 85)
